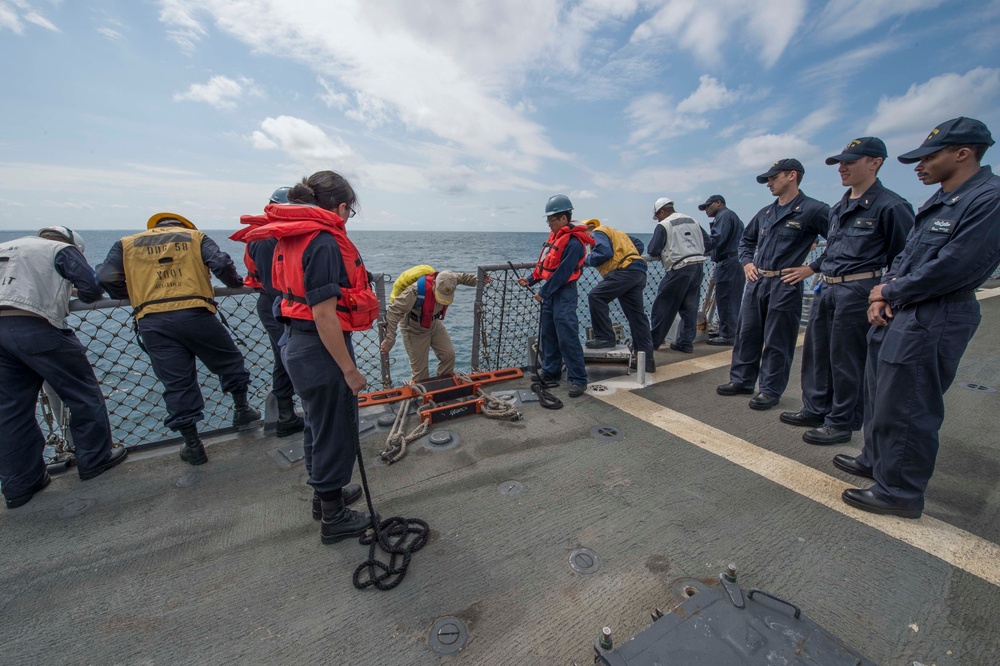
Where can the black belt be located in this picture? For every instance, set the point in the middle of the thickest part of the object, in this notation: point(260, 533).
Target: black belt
point(298, 331)
point(955, 298)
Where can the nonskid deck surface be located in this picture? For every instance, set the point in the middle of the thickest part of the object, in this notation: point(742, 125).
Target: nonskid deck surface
point(157, 562)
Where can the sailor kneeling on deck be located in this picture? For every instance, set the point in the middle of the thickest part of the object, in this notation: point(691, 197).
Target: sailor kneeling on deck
point(164, 272)
point(37, 274)
point(419, 310)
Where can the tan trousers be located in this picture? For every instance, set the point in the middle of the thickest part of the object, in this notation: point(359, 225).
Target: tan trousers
point(418, 342)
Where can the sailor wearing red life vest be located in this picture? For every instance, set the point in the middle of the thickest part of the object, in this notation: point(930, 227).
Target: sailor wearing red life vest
point(419, 311)
point(325, 295)
point(258, 257)
point(559, 265)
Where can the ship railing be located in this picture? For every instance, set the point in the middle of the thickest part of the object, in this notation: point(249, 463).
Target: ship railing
point(506, 314)
point(134, 395)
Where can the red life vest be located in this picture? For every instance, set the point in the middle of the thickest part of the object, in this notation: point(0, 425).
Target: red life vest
point(252, 279)
point(553, 248)
point(426, 300)
point(295, 227)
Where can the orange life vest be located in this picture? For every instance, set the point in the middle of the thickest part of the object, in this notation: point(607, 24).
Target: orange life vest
point(553, 248)
point(252, 279)
point(295, 227)
point(426, 300)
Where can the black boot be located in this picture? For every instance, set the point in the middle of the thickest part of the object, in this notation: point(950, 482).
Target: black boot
point(289, 422)
point(351, 493)
point(244, 414)
point(340, 523)
point(193, 451)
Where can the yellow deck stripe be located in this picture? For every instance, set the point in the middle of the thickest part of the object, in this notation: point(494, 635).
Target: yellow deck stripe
point(955, 546)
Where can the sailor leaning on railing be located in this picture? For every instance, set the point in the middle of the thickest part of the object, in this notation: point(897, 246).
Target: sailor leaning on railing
point(37, 274)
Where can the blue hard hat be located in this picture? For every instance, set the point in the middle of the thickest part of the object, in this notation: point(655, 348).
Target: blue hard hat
point(280, 195)
point(560, 203)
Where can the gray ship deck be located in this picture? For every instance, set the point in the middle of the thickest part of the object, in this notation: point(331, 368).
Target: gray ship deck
point(228, 567)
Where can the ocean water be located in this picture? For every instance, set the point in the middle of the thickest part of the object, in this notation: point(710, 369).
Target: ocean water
point(390, 252)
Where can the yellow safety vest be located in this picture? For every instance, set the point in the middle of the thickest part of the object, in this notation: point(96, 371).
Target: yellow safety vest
point(623, 247)
point(164, 271)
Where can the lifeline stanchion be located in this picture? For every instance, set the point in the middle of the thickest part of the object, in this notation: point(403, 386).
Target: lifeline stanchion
point(392, 535)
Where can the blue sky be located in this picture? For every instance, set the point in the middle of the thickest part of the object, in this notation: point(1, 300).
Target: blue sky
point(451, 115)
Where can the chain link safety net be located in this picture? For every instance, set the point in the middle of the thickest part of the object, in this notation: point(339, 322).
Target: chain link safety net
point(506, 314)
point(134, 395)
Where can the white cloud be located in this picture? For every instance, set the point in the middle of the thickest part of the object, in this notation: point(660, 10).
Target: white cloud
point(817, 120)
point(40, 21)
point(330, 96)
point(850, 18)
point(183, 27)
point(763, 27)
point(405, 63)
point(369, 110)
point(759, 152)
point(220, 92)
point(846, 65)
point(709, 96)
point(9, 19)
point(938, 99)
point(583, 194)
point(109, 32)
point(301, 140)
point(655, 119)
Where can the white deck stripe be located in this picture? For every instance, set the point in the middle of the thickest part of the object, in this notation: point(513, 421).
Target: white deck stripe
point(955, 546)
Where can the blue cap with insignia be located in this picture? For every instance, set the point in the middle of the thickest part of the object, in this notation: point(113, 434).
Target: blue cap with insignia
point(955, 132)
point(790, 164)
point(866, 146)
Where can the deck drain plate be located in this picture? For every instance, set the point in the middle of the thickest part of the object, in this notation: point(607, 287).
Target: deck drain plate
point(511, 488)
point(448, 635)
point(597, 388)
point(188, 479)
point(606, 433)
point(364, 425)
point(440, 440)
point(76, 507)
point(584, 561)
point(527, 395)
point(981, 388)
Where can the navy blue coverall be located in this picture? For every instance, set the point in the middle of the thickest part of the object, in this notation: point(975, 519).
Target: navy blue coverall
point(865, 235)
point(625, 284)
point(727, 229)
point(954, 247)
point(560, 326)
point(331, 408)
point(678, 293)
point(32, 351)
point(174, 339)
point(262, 254)
point(769, 317)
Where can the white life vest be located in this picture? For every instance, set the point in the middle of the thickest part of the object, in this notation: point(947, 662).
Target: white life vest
point(685, 244)
point(29, 280)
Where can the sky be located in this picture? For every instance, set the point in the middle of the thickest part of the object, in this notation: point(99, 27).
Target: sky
point(467, 115)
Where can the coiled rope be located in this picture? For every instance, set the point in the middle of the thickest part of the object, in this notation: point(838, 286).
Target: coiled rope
point(400, 537)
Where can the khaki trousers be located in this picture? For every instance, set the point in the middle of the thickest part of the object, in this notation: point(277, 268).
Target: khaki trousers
point(418, 341)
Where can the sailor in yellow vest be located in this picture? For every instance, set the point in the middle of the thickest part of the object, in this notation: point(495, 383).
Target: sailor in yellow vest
point(618, 258)
point(164, 272)
point(421, 299)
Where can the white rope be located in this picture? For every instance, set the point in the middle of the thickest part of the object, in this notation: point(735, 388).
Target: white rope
point(395, 443)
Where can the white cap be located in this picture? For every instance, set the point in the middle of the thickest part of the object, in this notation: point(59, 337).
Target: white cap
point(661, 202)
